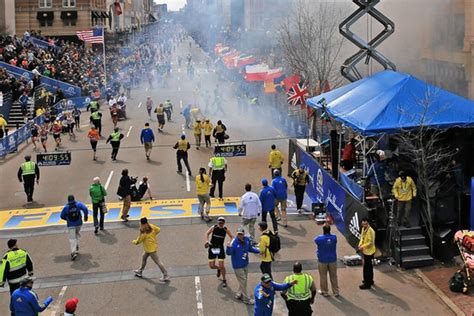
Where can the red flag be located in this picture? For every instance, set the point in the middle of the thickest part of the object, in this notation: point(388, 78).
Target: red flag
point(290, 81)
point(326, 87)
point(309, 111)
point(118, 7)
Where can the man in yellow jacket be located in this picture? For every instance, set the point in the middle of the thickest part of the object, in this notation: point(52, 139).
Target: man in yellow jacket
point(367, 247)
point(264, 245)
point(404, 191)
point(147, 236)
point(275, 160)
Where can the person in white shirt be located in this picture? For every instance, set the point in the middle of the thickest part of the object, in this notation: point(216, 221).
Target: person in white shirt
point(122, 100)
point(112, 101)
point(250, 208)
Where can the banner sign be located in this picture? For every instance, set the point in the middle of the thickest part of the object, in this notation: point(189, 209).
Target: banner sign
point(3, 147)
point(42, 44)
point(49, 84)
point(355, 211)
point(54, 159)
point(230, 150)
point(71, 103)
point(355, 189)
point(294, 157)
point(23, 134)
point(11, 142)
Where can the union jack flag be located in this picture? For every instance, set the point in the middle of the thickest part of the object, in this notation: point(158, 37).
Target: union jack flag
point(92, 36)
point(297, 94)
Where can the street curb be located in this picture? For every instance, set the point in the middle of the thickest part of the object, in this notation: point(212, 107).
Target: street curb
point(456, 310)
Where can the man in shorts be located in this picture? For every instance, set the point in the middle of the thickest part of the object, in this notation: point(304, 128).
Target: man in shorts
point(215, 247)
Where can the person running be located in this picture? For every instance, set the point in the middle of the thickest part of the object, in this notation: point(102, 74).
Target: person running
point(34, 130)
point(96, 120)
point(149, 105)
point(267, 197)
point(125, 192)
point(114, 140)
point(197, 130)
point(239, 250)
point(57, 129)
point(215, 247)
point(70, 125)
point(160, 116)
point(147, 236)
point(76, 114)
point(168, 106)
point(217, 169)
point(44, 137)
point(219, 132)
point(98, 193)
point(16, 265)
point(72, 213)
point(24, 301)
point(207, 127)
point(27, 173)
point(265, 294)
point(182, 147)
point(147, 138)
point(203, 184)
point(114, 114)
point(94, 137)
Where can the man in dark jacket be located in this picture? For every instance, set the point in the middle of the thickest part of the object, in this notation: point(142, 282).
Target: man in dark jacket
point(239, 251)
point(125, 191)
point(27, 173)
point(72, 213)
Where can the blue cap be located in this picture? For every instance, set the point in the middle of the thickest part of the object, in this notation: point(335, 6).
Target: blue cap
point(302, 166)
point(264, 182)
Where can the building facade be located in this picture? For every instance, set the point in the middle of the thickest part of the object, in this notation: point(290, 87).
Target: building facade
point(59, 17)
point(448, 48)
point(7, 17)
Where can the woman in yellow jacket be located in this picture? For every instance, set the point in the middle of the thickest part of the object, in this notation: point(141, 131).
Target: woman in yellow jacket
point(203, 183)
point(147, 236)
point(367, 247)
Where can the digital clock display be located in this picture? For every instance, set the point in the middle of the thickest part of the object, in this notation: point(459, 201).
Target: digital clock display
point(230, 150)
point(54, 159)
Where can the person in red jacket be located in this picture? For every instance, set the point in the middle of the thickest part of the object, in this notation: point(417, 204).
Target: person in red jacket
point(349, 155)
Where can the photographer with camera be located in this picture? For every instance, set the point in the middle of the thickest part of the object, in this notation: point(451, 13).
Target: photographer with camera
point(125, 192)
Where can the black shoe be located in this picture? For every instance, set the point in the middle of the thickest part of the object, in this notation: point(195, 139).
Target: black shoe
point(102, 228)
point(179, 171)
point(96, 230)
point(211, 195)
point(224, 283)
point(364, 287)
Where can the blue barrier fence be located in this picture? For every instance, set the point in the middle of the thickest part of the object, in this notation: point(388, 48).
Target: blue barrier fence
point(10, 143)
point(6, 105)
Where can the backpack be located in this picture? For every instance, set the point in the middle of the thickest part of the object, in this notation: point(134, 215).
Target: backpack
point(74, 213)
point(468, 242)
point(275, 244)
point(457, 283)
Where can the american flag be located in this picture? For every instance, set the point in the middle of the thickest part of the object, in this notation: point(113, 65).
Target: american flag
point(92, 36)
point(297, 94)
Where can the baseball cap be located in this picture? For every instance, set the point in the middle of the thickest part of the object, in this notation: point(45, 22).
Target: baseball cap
point(71, 305)
point(27, 280)
point(264, 182)
point(221, 219)
point(240, 230)
point(266, 278)
point(302, 166)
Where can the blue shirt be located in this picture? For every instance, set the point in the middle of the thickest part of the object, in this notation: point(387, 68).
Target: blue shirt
point(24, 100)
point(326, 248)
point(280, 186)
point(267, 198)
point(24, 302)
point(264, 303)
point(377, 172)
point(147, 135)
point(239, 252)
point(81, 207)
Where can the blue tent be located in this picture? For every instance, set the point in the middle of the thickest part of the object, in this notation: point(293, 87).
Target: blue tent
point(390, 101)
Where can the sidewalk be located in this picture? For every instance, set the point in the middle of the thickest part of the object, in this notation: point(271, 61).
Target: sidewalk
point(440, 275)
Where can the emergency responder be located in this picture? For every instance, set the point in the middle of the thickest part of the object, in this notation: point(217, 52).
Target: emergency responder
point(160, 116)
point(16, 264)
point(168, 109)
point(93, 106)
point(217, 169)
point(300, 297)
point(207, 127)
point(300, 179)
point(197, 130)
point(275, 160)
point(219, 132)
point(27, 173)
point(114, 140)
point(182, 147)
point(96, 120)
point(24, 301)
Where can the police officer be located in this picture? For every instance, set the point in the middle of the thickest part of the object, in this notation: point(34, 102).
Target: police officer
point(300, 179)
point(300, 297)
point(16, 264)
point(93, 106)
point(217, 169)
point(96, 120)
point(25, 301)
point(182, 147)
point(27, 173)
point(114, 140)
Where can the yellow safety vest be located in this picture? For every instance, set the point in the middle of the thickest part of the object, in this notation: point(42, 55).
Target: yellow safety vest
point(115, 137)
point(207, 128)
point(28, 167)
point(299, 177)
point(301, 291)
point(95, 116)
point(219, 129)
point(218, 163)
point(16, 260)
point(183, 145)
point(197, 128)
point(93, 105)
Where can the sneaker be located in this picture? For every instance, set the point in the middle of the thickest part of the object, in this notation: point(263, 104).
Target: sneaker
point(300, 211)
point(96, 230)
point(337, 295)
point(364, 287)
point(278, 218)
point(238, 296)
point(224, 283)
point(102, 228)
point(138, 273)
point(165, 278)
point(73, 256)
point(179, 171)
point(323, 293)
point(250, 301)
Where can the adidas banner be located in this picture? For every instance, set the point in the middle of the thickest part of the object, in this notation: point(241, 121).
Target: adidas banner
point(355, 211)
point(294, 157)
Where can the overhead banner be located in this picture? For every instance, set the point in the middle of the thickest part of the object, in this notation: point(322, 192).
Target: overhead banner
point(70, 91)
point(42, 44)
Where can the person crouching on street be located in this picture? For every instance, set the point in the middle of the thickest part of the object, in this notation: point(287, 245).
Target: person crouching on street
point(147, 236)
point(72, 213)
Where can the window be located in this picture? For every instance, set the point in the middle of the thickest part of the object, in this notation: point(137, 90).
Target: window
point(69, 22)
point(45, 3)
point(69, 3)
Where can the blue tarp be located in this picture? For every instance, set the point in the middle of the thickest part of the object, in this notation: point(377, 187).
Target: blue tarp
point(390, 101)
